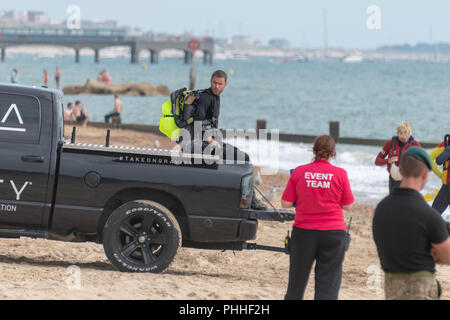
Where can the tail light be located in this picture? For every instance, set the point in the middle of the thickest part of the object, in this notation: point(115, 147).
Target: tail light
point(246, 192)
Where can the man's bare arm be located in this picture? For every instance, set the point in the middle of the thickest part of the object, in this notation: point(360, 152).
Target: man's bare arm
point(441, 252)
point(286, 204)
point(347, 207)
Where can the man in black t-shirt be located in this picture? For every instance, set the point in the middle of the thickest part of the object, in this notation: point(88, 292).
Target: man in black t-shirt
point(410, 236)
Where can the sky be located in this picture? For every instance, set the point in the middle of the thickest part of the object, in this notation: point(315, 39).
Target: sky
point(299, 21)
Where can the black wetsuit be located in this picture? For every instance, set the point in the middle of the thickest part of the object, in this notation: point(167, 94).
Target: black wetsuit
point(206, 115)
point(442, 200)
point(207, 111)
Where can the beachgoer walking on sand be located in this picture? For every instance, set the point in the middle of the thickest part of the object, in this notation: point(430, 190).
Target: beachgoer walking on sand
point(118, 104)
point(57, 78)
point(321, 192)
point(393, 150)
point(410, 236)
point(15, 76)
point(45, 78)
point(81, 114)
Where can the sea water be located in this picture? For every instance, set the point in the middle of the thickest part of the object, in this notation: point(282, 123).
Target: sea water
point(369, 183)
point(369, 99)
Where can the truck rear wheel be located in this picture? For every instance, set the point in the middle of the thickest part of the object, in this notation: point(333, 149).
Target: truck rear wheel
point(141, 236)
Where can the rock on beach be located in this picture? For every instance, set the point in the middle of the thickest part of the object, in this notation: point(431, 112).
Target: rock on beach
point(130, 89)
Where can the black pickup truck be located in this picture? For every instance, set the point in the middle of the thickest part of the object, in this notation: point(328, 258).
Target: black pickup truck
point(141, 204)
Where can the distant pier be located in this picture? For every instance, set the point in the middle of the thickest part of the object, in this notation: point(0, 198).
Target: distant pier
point(98, 39)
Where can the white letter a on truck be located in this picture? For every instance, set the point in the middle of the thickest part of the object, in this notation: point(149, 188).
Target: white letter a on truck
point(13, 107)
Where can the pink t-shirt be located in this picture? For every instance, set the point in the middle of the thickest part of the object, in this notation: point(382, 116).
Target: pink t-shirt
point(319, 190)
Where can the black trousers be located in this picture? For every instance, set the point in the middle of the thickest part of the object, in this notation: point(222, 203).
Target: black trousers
point(393, 184)
point(227, 151)
point(110, 115)
point(231, 153)
point(327, 249)
point(442, 200)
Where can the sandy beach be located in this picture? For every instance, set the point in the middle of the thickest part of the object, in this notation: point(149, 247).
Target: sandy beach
point(42, 269)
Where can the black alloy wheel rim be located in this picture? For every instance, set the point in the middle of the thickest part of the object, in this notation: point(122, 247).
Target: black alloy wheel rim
point(142, 239)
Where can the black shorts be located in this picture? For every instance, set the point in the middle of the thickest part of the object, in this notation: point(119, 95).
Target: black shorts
point(81, 118)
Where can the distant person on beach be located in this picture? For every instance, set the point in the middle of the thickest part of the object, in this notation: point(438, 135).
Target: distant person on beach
point(104, 76)
point(118, 104)
point(393, 151)
point(57, 78)
point(45, 78)
point(69, 113)
point(81, 115)
point(320, 192)
point(441, 155)
point(15, 76)
point(410, 236)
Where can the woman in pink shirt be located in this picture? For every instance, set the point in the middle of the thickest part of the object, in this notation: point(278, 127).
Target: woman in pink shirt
point(320, 192)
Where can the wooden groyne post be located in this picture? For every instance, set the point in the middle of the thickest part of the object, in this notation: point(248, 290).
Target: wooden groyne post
point(334, 130)
point(260, 125)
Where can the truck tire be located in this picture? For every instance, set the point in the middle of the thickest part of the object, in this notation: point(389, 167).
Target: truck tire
point(141, 236)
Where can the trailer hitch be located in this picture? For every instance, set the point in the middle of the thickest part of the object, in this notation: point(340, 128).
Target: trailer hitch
point(254, 246)
point(277, 215)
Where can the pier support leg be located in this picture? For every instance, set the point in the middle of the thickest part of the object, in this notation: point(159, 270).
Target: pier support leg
point(77, 56)
point(97, 55)
point(134, 54)
point(154, 57)
point(3, 54)
point(207, 57)
point(210, 59)
point(188, 57)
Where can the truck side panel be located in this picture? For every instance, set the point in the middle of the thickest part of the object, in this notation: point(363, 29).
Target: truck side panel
point(208, 191)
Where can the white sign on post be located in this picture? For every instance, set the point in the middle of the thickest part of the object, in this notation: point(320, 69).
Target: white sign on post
point(374, 19)
point(74, 19)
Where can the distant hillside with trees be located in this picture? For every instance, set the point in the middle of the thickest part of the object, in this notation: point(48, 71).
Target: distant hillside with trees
point(443, 48)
